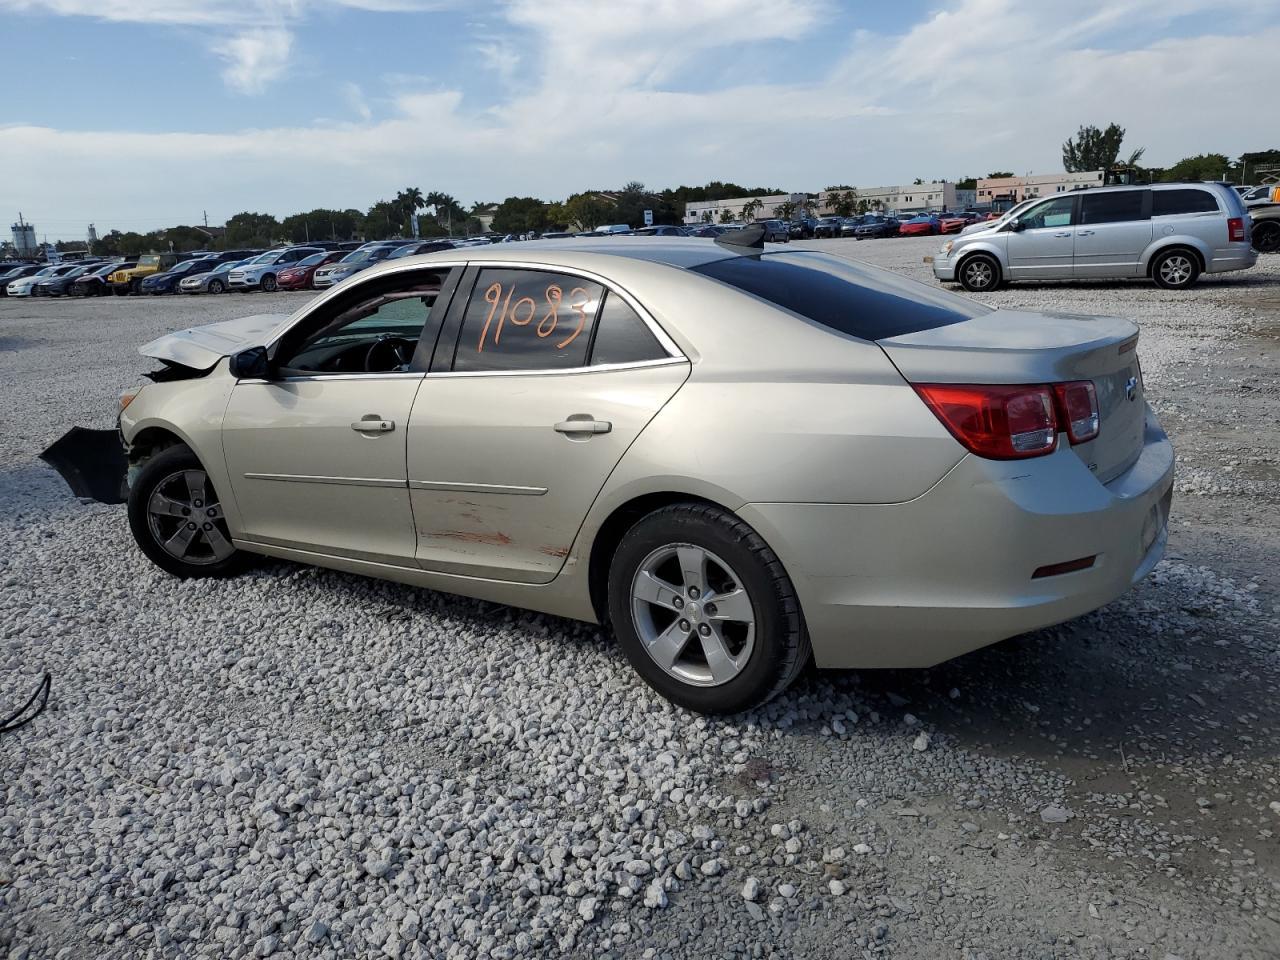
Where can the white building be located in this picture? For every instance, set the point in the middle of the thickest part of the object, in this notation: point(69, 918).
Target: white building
point(910, 198)
point(713, 211)
point(1006, 191)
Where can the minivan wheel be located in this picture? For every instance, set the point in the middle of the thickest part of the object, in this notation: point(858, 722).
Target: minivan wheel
point(1175, 269)
point(1266, 236)
point(704, 611)
point(177, 519)
point(979, 273)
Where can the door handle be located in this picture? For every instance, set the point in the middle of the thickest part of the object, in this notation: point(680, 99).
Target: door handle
point(583, 423)
point(1067, 234)
point(372, 424)
point(1084, 233)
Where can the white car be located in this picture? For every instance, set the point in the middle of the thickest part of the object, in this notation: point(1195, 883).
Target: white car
point(23, 286)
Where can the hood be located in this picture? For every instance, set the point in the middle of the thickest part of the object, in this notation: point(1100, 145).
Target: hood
point(201, 347)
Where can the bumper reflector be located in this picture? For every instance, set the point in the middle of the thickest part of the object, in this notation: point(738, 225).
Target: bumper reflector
point(1071, 566)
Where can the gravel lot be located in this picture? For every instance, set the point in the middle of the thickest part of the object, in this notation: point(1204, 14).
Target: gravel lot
point(304, 763)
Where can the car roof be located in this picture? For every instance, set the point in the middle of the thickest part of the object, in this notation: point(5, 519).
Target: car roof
point(673, 251)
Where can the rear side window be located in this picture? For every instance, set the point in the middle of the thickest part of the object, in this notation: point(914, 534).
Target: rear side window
point(621, 336)
point(1112, 207)
point(1166, 202)
point(527, 320)
point(850, 298)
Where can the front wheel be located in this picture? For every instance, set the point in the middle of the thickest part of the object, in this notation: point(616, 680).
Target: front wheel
point(177, 519)
point(215, 286)
point(1175, 269)
point(704, 611)
point(269, 283)
point(979, 273)
point(1266, 236)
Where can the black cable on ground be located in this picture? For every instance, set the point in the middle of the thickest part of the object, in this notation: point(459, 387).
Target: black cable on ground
point(41, 694)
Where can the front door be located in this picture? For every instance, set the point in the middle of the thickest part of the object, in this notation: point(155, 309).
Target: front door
point(1044, 243)
point(316, 453)
point(553, 377)
point(1113, 233)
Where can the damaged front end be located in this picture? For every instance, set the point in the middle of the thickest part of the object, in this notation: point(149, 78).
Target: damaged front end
point(96, 463)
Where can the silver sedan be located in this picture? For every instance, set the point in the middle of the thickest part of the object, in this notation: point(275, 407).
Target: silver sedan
point(740, 461)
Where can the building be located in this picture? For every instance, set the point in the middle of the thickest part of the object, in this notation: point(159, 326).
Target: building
point(1004, 192)
point(936, 195)
point(714, 211)
point(24, 238)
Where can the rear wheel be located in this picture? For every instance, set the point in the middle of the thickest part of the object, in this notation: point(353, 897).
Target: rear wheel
point(269, 283)
point(1175, 269)
point(979, 273)
point(177, 519)
point(1266, 236)
point(704, 611)
point(135, 287)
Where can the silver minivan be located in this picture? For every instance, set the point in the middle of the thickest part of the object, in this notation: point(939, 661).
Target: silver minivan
point(1170, 232)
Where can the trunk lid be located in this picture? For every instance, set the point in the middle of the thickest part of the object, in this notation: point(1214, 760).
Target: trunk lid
point(1022, 347)
point(202, 347)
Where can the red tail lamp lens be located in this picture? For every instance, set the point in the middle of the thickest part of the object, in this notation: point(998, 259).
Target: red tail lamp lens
point(1235, 229)
point(1078, 406)
point(996, 421)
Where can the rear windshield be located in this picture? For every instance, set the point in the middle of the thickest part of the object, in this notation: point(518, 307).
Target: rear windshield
point(850, 298)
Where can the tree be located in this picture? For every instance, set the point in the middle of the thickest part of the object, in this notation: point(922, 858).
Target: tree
point(320, 224)
point(917, 181)
point(1093, 149)
point(587, 211)
point(726, 215)
point(751, 208)
point(785, 210)
point(844, 203)
point(384, 220)
point(999, 174)
point(1204, 166)
point(520, 215)
point(251, 230)
point(1246, 168)
point(967, 183)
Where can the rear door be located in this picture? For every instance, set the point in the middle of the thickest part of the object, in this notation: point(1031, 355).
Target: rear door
point(1114, 231)
point(1044, 243)
point(542, 380)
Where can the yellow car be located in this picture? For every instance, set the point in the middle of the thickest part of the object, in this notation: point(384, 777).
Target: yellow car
point(129, 280)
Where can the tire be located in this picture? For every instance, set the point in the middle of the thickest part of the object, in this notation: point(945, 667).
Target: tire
point(651, 599)
point(121, 291)
point(1266, 236)
point(135, 288)
point(172, 481)
point(269, 283)
point(979, 273)
point(1175, 269)
point(216, 286)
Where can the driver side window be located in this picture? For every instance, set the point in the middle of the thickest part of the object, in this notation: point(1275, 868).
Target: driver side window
point(375, 328)
point(1052, 213)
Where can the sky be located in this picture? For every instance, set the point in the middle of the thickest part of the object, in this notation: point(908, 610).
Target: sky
point(140, 114)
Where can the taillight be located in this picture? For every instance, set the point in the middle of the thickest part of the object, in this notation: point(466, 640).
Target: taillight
point(1078, 407)
point(1235, 229)
point(996, 421)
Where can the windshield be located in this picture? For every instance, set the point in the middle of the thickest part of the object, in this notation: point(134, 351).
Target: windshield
point(149, 261)
point(268, 257)
point(310, 261)
point(357, 256)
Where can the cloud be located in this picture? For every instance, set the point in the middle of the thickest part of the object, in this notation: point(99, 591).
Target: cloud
point(354, 96)
point(254, 58)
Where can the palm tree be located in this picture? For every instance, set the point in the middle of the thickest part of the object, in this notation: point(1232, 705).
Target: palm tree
point(751, 208)
point(785, 210)
point(409, 201)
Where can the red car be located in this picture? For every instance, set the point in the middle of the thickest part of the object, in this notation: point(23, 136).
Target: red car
point(953, 223)
point(298, 276)
point(923, 225)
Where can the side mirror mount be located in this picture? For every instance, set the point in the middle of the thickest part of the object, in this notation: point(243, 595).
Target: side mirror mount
point(1016, 225)
point(251, 364)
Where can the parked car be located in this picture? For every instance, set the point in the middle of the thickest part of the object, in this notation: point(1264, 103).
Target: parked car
point(262, 270)
point(952, 222)
point(215, 281)
point(612, 228)
point(711, 230)
point(775, 231)
point(1265, 234)
point(947, 491)
point(419, 247)
point(59, 284)
point(1169, 232)
point(849, 226)
point(25, 286)
point(127, 280)
point(555, 235)
point(661, 230)
point(874, 227)
point(1261, 196)
point(299, 276)
point(355, 261)
point(923, 224)
point(18, 273)
point(167, 281)
point(828, 227)
point(93, 282)
point(802, 228)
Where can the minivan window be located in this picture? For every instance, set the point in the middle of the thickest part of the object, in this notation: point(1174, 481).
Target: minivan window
point(1114, 207)
point(856, 300)
point(1166, 202)
point(1051, 213)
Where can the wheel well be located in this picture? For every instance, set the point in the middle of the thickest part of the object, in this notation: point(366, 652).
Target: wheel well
point(151, 441)
point(965, 258)
point(1185, 248)
point(611, 533)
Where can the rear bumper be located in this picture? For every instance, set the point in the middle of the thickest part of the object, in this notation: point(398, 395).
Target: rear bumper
point(1236, 256)
point(913, 584)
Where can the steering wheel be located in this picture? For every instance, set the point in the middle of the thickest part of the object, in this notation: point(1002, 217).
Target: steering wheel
point(392, 347)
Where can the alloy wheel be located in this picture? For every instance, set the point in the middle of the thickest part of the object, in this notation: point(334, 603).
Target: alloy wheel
point(693, 614)
point(1176, 269)
point(186, 519)
point(978, 273)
